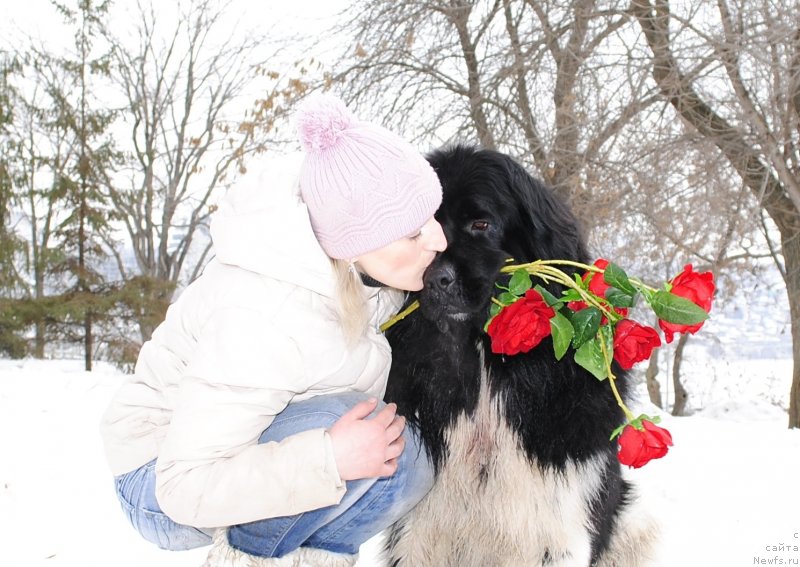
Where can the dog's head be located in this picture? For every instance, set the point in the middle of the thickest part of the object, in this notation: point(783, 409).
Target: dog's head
point(491, 210)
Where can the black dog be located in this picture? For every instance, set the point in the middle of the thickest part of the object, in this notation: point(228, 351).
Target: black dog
point(526, 474)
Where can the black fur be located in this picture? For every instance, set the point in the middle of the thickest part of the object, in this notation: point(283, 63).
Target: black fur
point(492, 209)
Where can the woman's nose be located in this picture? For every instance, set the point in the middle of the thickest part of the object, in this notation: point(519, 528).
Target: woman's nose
point(437, 242)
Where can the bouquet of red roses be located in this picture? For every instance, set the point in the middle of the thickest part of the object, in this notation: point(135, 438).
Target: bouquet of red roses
point(591, 317)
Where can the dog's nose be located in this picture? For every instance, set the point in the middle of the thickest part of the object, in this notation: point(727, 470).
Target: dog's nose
point(440, 278)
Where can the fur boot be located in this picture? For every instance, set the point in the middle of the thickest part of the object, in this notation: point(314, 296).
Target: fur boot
point(310, 557)
point(222, 554)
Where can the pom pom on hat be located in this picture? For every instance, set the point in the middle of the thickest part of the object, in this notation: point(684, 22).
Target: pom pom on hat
point(321, 121)
point(364, 186)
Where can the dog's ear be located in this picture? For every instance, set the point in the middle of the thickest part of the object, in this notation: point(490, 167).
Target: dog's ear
point(548, 229)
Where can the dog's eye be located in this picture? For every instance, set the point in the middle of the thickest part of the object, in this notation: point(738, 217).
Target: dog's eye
point(480, 225)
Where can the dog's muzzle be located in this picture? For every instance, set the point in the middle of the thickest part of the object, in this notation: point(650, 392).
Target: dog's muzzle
point(440, 279)
point(442, 298)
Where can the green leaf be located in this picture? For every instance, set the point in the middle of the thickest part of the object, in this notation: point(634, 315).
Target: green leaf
point(520, 282)
point(618, 431)
point(562, 332)
point(549, 298)
point(586, 322)
point(494, 309)
point(616, 277)
point(590, 357)
point(507, 298)
point(636, 423)
point(571, 295)
point(619, 298)
point(675, 309)
point(644, 417)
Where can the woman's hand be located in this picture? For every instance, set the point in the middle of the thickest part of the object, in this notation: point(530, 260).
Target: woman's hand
point(367, 448)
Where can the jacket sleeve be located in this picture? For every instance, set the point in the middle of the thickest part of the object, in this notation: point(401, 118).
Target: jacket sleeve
point(211, 471)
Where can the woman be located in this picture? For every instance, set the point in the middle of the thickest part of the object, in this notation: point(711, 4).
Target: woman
point(254, 407)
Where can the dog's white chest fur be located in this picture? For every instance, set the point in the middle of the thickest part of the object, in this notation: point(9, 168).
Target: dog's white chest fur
point(490, 506)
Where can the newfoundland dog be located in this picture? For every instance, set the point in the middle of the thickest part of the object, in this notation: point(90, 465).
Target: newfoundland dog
point(525, 472)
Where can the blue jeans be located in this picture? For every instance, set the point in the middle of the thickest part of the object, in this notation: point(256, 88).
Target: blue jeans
point(368, 506)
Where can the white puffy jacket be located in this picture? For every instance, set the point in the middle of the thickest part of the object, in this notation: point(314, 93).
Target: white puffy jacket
point(256, 331)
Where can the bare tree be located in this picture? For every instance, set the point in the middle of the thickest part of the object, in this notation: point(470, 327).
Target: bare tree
point(684, 205)
point(535, 79)
point(736, 81)
point(188, 132)
point(186, 96)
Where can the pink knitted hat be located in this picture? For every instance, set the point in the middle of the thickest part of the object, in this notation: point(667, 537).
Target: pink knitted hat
point(364, 186)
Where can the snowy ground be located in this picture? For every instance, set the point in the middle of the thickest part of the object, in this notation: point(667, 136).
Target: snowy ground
point(726, 493)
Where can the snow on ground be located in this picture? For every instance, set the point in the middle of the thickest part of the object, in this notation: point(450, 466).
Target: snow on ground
point(726, 493)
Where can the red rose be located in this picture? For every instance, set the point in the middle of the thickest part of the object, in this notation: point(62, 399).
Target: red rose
point(637, 447)
point(697, 287)
point(633, 343)
point(522, 325)
point(597, 286)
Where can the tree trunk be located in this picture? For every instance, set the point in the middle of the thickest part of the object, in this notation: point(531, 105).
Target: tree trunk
point(460, 19)
point(88, 342)
point(681, 395)
point(155, 296)
point(653, 385)
point(39, 339)
point(791, 258)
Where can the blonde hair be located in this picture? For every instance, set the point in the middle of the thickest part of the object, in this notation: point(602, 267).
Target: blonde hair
point(351, 301)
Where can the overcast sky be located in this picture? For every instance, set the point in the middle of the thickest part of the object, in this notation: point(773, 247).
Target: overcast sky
point(39, 19)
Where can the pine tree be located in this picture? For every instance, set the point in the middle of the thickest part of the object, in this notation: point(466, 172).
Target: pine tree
point(84, 232)
point(11, 245)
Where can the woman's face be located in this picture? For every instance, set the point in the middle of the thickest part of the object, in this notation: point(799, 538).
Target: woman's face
point(400, 264)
